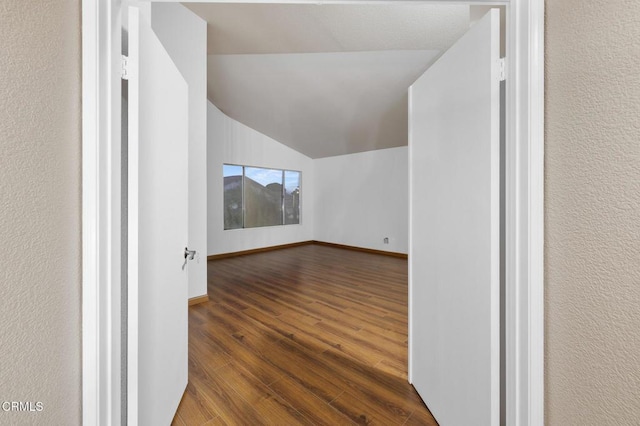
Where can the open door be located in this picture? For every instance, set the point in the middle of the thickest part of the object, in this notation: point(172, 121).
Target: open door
point(454, 122)
point(158, 234)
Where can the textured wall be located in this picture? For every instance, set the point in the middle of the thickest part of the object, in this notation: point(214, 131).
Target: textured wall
point(592, 212)
point(40, 210)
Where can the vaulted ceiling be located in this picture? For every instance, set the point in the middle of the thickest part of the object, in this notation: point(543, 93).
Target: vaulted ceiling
point(325, 80)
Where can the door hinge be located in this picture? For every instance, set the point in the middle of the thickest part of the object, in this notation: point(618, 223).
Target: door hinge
point(502, 71)
point(124, 68)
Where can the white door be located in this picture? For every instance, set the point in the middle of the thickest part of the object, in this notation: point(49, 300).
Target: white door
point(454, 251)
point(158, 214)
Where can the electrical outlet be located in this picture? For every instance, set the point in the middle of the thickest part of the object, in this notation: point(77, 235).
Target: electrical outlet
point(386, 240)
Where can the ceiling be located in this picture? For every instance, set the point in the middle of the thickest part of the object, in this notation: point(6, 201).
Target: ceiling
point(325, 80)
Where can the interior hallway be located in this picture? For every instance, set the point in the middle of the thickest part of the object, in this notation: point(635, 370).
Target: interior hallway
point(304, 335)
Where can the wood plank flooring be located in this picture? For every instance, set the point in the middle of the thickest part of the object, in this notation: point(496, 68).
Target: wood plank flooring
point(311, 335)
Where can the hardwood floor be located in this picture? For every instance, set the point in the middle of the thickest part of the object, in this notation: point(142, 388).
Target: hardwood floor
point(304, 335)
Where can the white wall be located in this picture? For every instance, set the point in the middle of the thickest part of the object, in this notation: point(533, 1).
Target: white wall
point(232, 142)
point(356, 199)
point(363, 198)
point(184, 36)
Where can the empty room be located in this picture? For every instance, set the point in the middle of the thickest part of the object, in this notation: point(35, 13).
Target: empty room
point(324, 186)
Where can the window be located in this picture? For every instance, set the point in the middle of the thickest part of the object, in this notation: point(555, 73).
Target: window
point(232, 196)
point(291, 197)
point(255, 197)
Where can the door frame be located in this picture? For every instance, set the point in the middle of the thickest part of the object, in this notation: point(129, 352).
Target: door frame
point(101, 206)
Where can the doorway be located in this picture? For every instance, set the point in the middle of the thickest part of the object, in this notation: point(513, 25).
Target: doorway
point(516, 190)
point(454, 111)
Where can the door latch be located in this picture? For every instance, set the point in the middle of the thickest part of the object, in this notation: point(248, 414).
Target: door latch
point(188, 255)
